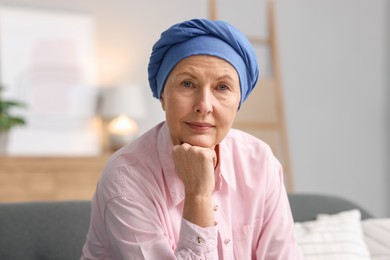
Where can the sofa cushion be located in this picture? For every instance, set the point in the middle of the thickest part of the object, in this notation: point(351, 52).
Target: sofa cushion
point(43, 230)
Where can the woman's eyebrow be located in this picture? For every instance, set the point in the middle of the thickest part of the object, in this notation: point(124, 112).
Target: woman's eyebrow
point(185, 73)
point(225, 76)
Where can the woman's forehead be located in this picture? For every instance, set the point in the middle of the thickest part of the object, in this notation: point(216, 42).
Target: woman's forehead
point(196, 63)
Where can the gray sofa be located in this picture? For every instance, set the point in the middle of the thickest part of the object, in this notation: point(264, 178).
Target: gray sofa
point(57, 230)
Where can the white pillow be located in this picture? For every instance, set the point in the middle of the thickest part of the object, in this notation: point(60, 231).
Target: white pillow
point(329, 237)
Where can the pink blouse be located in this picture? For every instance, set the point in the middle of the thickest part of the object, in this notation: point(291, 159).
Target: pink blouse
point(137, 207)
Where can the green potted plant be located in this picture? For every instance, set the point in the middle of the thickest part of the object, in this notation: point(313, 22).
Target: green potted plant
point(7, 119)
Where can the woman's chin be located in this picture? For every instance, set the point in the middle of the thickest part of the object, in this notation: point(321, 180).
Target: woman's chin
point(201, 142)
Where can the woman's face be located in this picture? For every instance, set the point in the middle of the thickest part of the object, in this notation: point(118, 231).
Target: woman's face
point(200, 99)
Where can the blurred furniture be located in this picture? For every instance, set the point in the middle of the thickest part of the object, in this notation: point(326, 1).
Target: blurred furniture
point(43, 230)
point(49, 178)
point(120, 108)
point(57, 230)
point(306, 207)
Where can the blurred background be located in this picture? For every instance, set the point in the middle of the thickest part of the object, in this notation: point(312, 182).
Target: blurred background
point(334, 62)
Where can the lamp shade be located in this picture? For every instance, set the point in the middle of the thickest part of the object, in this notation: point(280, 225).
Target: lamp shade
point(128, 100)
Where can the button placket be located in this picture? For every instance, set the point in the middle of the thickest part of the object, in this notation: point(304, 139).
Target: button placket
point(224, 237)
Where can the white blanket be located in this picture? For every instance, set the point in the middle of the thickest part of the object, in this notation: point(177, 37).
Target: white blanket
point(377, 236)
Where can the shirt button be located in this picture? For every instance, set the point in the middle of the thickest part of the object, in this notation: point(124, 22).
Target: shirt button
point(215, 207)
point(226, 241)
point(200, 240)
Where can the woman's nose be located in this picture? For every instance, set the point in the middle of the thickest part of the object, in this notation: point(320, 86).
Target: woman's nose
point(203, 102)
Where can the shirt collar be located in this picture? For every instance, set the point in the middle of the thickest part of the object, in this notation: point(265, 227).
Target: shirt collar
point(225, 169)
point(226, 164)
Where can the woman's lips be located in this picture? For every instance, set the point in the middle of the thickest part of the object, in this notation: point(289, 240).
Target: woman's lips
point(199, 126)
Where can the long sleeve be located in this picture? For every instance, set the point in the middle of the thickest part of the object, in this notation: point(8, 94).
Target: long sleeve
point(196, 242)
point(136, 232)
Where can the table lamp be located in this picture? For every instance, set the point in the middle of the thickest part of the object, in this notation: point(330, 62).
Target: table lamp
point(122, 106)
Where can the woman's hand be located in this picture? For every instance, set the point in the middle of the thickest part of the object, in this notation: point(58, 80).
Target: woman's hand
point(195, 167)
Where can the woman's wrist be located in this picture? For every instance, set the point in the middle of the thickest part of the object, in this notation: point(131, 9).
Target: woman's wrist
point(198, 210)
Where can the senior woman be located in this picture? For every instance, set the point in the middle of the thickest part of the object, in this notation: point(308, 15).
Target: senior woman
point(192, 187)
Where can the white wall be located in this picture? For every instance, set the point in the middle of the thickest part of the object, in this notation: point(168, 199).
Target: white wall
point(334, 72)
point(334, 75)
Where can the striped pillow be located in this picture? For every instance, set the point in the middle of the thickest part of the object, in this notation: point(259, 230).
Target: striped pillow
point(329, 237)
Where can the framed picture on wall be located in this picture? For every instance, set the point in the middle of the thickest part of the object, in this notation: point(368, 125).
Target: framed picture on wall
point(47, 61)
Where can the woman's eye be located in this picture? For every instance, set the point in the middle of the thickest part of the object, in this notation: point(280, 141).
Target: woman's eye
point(187, 84)
point(223, 87)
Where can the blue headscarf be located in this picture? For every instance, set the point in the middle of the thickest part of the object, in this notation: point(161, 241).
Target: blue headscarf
point(203, 37)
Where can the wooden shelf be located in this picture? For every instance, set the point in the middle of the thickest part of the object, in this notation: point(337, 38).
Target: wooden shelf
point(49, 178)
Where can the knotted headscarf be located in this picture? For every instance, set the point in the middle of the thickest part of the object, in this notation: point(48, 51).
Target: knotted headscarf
point(203, 37)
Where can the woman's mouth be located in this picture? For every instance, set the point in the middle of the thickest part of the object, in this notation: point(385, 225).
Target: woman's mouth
point(199, 126)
